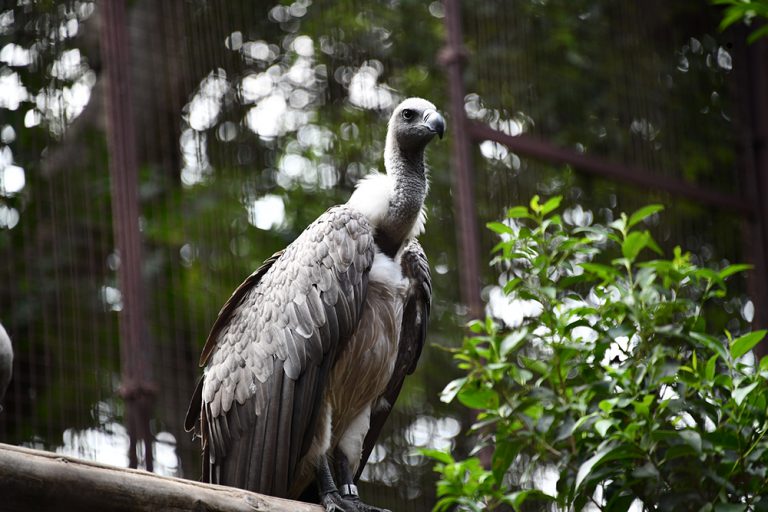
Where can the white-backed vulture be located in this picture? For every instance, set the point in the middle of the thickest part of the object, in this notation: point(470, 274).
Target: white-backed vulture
point(309, 354)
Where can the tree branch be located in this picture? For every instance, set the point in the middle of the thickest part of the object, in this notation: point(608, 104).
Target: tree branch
point(37, 480)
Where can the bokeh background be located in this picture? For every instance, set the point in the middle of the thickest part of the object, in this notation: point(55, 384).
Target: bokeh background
point(251, 118)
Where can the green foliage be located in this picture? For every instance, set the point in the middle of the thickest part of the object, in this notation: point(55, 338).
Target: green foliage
point(747, 11)
point(612, 381)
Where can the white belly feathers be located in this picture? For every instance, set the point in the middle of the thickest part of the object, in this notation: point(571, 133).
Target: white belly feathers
point(365, 366)
point(387, 272)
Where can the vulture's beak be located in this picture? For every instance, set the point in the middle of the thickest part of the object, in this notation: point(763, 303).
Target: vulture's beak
point(434, 122)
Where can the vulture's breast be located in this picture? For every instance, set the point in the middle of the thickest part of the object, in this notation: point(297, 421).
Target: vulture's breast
point(366, 365)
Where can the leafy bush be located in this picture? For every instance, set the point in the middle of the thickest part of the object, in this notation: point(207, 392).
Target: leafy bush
point(747, 11)
point(612, 385)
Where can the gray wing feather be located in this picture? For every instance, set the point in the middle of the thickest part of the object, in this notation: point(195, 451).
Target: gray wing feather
point(271, 350)
point(415, 267)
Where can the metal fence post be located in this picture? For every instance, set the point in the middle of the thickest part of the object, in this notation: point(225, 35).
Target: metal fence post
point(452, 57)
point(757, 180)
point(136, 388)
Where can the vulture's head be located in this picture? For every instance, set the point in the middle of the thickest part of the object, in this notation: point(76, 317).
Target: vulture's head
point(413, 124)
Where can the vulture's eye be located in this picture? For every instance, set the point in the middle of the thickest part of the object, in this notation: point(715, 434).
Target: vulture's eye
point(408, 114)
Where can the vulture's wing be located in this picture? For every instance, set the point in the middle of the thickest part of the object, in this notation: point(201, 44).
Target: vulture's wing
point(415, 268)
point(192, 420)
point(271, 349)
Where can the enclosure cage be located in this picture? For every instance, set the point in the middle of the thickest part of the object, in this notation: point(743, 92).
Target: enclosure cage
point(153, 154)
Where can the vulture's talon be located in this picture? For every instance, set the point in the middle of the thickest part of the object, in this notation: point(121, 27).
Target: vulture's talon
point(333, 502)
point(359, 506)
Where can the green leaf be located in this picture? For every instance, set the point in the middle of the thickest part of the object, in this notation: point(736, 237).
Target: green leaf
point(503, 456)
point(647, 470)
point(516, 499)
point(619, 224)
point(534, 204)
point(490, 325)
point(439, 456)
point(692, 439)
point(608, 404)
point(633, 244)
point(709, 370)
point(710, 342)
point(500, 228)
point(733, 269)
point(731, 507)
point(582, 421)
point(643, 407)
point(730, 18)
point(518, 212)
point(602, 426)
point(644, 213)
point(534, 411)
point(680, 450)
point(744, 344)
point(451, 390)
point(739, 394)
point(536, 365)
point(476, 326)
point(758, 34)
point(605, 454)
point(512, 341)
point(552, 204)
point(604, 272)
point(652, 245)
point(478, 398)
point(511, 285)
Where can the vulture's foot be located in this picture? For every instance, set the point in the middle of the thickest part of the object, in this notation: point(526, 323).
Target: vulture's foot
point(333, 502)
point(358, 506)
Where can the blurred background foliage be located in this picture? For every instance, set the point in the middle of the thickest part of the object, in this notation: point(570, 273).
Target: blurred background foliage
point(254, 117)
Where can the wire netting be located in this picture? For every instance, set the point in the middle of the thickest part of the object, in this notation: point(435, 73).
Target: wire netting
point(653, 86)
point(254, 117)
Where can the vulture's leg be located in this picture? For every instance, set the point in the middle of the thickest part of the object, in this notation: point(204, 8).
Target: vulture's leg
point(329, 494)
point(348, 488)
point(346, 457)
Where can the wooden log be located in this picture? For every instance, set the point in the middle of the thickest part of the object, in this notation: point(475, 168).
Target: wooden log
point(40, 481)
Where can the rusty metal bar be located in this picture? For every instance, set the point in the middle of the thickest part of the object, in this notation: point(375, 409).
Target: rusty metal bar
point(756, 167)
point(533, 147)
point(467, 238)
point(136, 388)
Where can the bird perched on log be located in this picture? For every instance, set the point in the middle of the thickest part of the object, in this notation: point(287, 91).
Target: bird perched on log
point(6, 362)
point(307, 357)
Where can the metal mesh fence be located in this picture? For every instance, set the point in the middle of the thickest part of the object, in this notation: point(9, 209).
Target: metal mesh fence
point(253, 118)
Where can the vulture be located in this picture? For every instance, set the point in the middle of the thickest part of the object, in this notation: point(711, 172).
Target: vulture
point(6, 362)
point(307, 356)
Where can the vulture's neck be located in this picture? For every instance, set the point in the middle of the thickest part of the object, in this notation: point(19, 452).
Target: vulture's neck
point(407, 173)
point(393, 202)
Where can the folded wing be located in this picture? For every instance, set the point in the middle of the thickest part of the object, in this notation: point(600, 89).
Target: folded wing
point(270, 351)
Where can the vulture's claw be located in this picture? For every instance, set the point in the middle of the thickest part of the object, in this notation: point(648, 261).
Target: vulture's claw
point(358, 506)
point(333, 502)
